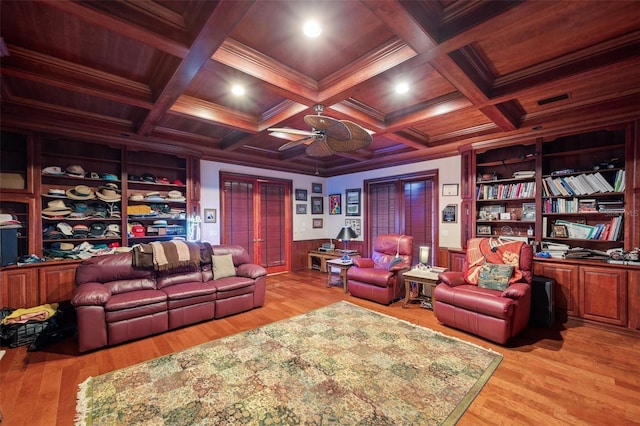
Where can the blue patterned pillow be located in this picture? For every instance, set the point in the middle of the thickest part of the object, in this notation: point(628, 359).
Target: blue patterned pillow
point(495, 276)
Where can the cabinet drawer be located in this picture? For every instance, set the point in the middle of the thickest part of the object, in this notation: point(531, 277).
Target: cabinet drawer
point(603, 295)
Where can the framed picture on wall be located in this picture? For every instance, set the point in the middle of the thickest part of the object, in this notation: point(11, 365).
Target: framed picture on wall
point(210, 215)
point(301, 195)
point(317, 205)
point(301, 209)
point(317, 223)
point(352, 198)
point(335, 204)
point(450, 213)
point(316, 188)
point(355, 224)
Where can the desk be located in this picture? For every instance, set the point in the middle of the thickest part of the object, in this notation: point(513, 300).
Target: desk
point(342, 266)
point(318, 259)
point(422, 279)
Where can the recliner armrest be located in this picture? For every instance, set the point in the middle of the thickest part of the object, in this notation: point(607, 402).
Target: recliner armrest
point(250, 270)
point(363, 262)
point(452, 278)
point(516, 290)
point(91, 294)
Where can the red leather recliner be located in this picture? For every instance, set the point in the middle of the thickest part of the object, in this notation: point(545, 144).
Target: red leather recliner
point(379, 278)
point(495, 315)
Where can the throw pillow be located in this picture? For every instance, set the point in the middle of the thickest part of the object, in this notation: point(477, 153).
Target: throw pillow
point(223, 266)
point(495, 276)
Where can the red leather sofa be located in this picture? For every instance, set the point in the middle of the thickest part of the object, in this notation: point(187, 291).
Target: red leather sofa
point(495, 315)
point(379, 278)
point(116, 302)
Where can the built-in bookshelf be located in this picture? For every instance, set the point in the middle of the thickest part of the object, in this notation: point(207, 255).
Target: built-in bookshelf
point(583, 190)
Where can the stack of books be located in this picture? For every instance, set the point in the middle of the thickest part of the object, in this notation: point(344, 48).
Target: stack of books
point(584, 184)
point(612, 206)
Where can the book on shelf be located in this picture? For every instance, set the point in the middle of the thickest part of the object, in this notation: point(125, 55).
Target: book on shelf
point(583, 184)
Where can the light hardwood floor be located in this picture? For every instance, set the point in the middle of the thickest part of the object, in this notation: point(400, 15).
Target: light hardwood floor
point(572, 374)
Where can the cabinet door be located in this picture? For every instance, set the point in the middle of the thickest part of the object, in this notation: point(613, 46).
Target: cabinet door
point(566, 291)
point(603, 295)
point(19, 288)
point(57, 283)
point(456, 260)
point(633, 291)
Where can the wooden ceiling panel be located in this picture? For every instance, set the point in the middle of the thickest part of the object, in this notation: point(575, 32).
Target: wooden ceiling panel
point(159, 71)
point(274, 28)
point(214, 81)
point(555, 30)
point(61, 99)
point(62, 36)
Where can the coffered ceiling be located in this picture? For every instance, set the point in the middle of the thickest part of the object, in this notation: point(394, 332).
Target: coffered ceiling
point(150, 73)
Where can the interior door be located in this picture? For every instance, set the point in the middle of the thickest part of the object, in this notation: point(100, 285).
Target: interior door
point(256, 215)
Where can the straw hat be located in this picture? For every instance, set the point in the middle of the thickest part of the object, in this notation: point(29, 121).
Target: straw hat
point(109, 195)
point(81, 192)
point(56, 208)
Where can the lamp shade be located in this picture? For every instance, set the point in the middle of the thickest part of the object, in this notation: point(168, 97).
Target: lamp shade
point(346, 234)
point(424, 255)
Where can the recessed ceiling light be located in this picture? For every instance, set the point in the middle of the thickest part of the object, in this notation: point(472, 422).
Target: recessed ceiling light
point(237, 90)
point(311, 29)
point(402, 88)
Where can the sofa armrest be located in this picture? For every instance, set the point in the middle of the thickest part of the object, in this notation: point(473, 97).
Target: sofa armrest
point(91, 294)
point(452, 278)
point(250, 270)
point(516, 290)
point(363, 262)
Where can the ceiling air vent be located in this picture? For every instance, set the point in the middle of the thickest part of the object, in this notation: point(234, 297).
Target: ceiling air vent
point(553, 99)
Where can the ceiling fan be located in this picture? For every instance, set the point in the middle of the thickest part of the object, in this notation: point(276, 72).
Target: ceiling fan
point(327, 136)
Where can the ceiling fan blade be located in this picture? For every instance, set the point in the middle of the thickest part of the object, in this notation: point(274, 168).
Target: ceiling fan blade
point(291, 131)
point(295, 143)
point(330, 126)
point(360, 138)
point(319, 148)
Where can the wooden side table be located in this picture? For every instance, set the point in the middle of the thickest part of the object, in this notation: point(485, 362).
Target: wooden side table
point(318, 259)
point(343, 266)
point(422, 279)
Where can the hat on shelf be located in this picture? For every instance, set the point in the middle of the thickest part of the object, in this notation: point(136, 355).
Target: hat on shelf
point(56, 208)
point(113, 230)
point(8, 221)
point(137, 230)
point(53, 171)
point(94, 175)
point(141, 209)
point(178, 182)
point(56, 192)
point(81, 192)
point(62, 246)
point(148, 177)
point(159, 224)
point(110, 185)
point(175, 196)
point(162, 179)
point(77, 216)
point(65, 228)
point(108, 195)
point(154, 196)
point(75, 170)
point(97, 230)
point(114, 244)
point(136, 196)
point(108, 176)
point(80, 231)
point(134, 178)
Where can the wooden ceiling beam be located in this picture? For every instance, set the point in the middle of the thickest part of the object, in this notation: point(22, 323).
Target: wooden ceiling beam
point(101, 19)
point(215, 30)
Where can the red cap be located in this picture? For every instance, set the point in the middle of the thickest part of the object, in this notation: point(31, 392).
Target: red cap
point(137, 230)
point(178, 182)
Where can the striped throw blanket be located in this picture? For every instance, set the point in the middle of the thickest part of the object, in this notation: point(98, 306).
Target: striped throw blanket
point(175, 254)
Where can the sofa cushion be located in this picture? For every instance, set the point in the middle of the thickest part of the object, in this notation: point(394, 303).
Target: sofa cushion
point(134, 299)
point(223, 266)
point(475, 299)
point(165, 280)
point(189, 290)
point(233, 284)
point(374, 276)
point(495, 276)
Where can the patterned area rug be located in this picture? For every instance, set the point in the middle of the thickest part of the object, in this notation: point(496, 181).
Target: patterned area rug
point(340, 365)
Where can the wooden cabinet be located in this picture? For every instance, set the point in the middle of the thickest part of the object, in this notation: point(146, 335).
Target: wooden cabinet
point(566, 291)
point(457, 259)
point(57, 282)
point(633, 295)
point(33, 285)
point(19, 287)
point(603, 295)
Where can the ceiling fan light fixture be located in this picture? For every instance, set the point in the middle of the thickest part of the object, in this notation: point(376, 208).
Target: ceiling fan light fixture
point(311, 28)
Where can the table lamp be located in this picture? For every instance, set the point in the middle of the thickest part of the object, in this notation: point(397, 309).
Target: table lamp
point(424, 255)
point(346, 234)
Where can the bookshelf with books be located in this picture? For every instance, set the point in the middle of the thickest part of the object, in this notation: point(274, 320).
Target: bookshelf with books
point(505, 191)
point(583, 190)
